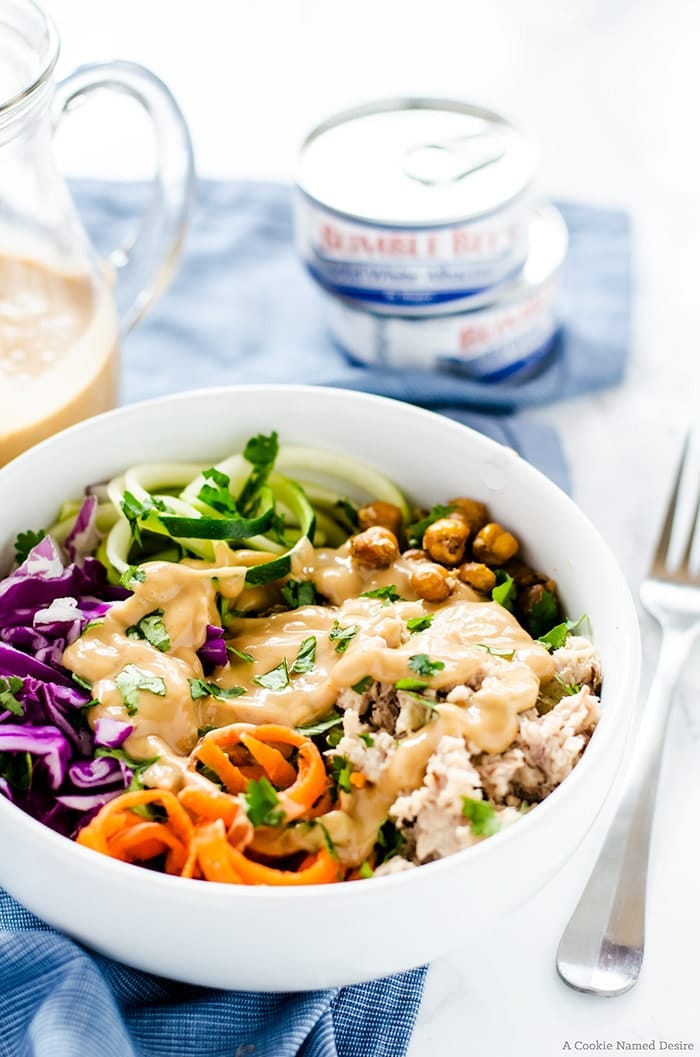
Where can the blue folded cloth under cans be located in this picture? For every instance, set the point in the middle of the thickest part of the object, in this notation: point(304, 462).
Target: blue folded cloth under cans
point(242, 309)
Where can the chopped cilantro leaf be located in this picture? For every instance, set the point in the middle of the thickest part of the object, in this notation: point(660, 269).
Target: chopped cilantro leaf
point(276, 679)
point(298, 593)
point(569, 688)
point(340, 770)
point(216, 492)
point(242, 656)
point(342, 636)
point(131, 575)
point(363, 685)
point(25, 542)
point(556, 637)
point(347, 513)
point(334, 737)
point(368, 740)
point(390, 842)
point(335, 719)
point(416, 624)
point(506, 655)
point(131, 680)
point(387, 594)
point(137, 766)
point(328, 841)
point(81, 682)
point(411, 684)
point(9, 702)
point(17, 769)
point(543, 614)
point(421, 664)
point(306, 657)
point(200, 688)
point(504, 591)
point(483, 820)
point(96, 623)
point(152, 629)
point(262, 803)
point(366, 871)
point(416, 531)
point(261, 450)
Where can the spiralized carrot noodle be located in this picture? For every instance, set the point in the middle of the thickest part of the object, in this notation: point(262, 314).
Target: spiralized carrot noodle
point(120, 833)
point(206, 833)
point(299, 790)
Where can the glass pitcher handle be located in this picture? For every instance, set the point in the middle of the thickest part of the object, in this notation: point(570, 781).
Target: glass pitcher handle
point(144, 268)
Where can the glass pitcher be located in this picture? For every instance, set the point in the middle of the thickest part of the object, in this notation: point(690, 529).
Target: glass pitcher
point(62, 310)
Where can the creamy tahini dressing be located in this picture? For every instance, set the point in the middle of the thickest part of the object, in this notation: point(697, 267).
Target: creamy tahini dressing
point(462, 632)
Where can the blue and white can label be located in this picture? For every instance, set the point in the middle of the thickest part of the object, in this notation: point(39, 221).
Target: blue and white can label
point(413, 204)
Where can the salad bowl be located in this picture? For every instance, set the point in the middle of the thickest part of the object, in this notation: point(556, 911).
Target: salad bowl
point(278, 939)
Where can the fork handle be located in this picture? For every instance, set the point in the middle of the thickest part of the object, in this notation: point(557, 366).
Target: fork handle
point(602, 947)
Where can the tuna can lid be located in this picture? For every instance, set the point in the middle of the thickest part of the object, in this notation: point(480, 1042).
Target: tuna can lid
point(416, 162)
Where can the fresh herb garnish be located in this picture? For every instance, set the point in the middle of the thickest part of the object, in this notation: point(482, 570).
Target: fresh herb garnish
point(569, 688)
point(152, 629)
point(390, 842)
point(504, 592)
point(334, 737)
point(411, 684)
point(416, 624)
point(131, 680)
point(17, 769)
point(298, 593)
point(335, 719)
point(347, 512)
point(96, 623)
point(81, 682)
point(306, 657)
point(9, 702)
point(340, 771)
point(543, 614)
point(556, 637)
point(242, 656)
point(200, 688)
point(131, 575)
point(368, 740)
point(216, 493)
point(416, 531)
point(363, 685)
point(262, 803)
point(506, 655)
point(483, 820)
point(276, 679)
point(137, 766)
point(25, 542)
point(342, 636)
point(421, 664)
point(365, 871)
point(387, 594)
point(261, 451)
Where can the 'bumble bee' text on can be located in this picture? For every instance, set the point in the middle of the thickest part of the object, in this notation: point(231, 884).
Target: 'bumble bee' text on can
point(512, 332)
point(414, 202)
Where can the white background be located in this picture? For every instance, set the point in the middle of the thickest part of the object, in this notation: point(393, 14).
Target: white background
point(608, 89)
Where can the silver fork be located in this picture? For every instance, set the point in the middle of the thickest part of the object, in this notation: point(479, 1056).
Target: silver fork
point(602, 948)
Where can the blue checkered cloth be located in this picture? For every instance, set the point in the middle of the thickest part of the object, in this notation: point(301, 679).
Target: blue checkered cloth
point(242, 309)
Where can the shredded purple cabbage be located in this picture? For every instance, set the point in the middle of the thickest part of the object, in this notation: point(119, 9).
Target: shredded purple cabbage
point(48, 765)
point(213, 653)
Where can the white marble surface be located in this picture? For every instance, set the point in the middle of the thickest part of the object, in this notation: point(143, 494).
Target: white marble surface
point(609, 90)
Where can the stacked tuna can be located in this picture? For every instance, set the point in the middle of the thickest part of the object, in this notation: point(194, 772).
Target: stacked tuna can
point(418, 219)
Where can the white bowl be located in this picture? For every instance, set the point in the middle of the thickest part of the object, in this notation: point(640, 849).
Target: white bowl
point(281, 939)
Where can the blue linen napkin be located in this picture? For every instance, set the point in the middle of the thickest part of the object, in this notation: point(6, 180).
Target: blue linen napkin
point(242, 309)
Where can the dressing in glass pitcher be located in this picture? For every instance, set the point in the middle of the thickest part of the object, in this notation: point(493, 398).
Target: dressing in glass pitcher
point(63, 311)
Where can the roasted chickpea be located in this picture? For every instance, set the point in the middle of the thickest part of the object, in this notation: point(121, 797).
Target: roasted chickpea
point(430, 581)
point(474, 512)
point(493, 545)
point(446, 539)
point(415, 555)
point(387, 515)
point(376, 546)
point(478, 576)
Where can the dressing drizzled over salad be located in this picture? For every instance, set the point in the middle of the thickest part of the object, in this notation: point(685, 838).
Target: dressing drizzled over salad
point(234, 674)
